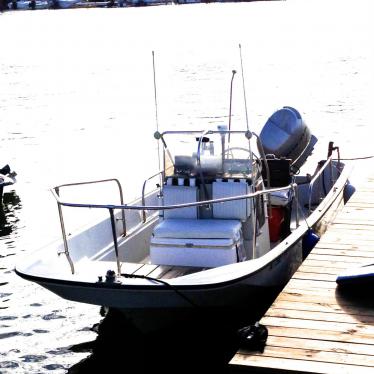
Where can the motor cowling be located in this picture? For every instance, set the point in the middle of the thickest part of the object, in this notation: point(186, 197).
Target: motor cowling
point(286, 135)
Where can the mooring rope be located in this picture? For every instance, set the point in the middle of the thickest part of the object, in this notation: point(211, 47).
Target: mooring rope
point(183, 296)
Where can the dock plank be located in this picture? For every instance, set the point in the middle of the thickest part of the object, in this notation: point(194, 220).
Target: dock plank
point(369, 253)
point(332, 258)
point(319, 355)
point(313, 326)
point(333, 336)
point(315, 275)
point(345, 327)
point(319, 315)
point(308, 304)
point(326, 345)
point(287, 365)
point(336, 264)
point(362, 246)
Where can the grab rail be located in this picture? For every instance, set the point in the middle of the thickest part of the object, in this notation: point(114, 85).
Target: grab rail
point(175, 206)
point(316, 177)
point(56, 193)
point(143, 193)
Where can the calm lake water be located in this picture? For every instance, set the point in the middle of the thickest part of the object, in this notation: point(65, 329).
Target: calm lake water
point(77, 104)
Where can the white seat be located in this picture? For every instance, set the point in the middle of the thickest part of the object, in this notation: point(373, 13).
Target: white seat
point(280, 198)
point(191, 242)
point(183, 240)
point(236, 209)
point(198, 229)
point(173, 195)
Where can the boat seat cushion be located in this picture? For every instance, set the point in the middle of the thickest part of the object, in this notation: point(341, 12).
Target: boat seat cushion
point(173, 195)
point(201, 243)
point(280, 198)
point(237, 209)
point(198, 229)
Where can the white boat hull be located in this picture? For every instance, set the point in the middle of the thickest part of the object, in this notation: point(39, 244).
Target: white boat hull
point(245, 297)
point(157, 271)
point(240, 289)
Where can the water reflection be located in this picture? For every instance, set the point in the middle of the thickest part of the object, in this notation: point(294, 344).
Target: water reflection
point(9, 213)
point(203, 345)
point(206, 341)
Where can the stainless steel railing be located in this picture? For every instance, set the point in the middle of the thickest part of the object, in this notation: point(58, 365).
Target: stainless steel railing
point(142, 207)
point(175, 206)
point(319, 177)
point(56, 193)
point(143, 193)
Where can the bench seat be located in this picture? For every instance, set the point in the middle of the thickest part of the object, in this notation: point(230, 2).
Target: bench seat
point(197, 242)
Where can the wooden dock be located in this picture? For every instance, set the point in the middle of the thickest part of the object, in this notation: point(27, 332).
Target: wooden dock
point(314, 327)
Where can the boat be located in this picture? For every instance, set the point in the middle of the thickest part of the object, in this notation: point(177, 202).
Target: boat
point(232, 217)
point(65, 4)
point(30, 4)
point(7, 178)
point(357, 277)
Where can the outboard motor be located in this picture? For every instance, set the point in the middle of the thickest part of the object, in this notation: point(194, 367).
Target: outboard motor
point(285, 135)
point(5, 170)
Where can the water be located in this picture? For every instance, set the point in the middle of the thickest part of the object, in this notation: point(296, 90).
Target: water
point(76, 103)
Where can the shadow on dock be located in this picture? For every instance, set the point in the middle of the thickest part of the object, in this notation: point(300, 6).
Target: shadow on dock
point(357, 302)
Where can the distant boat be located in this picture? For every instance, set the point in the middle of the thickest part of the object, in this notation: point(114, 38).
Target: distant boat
point(97, 4)
point(7, 178)
point(27, 5)
point(65, 4)
point(140, 3)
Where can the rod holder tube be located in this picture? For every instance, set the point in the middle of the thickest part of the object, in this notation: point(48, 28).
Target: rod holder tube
point(62, 224)
point(113, 224)
point(296, 194)
point(144, 215)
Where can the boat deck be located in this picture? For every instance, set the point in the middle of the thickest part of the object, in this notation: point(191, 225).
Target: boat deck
point(143, 269)
point(313, 326)
point(157, 271)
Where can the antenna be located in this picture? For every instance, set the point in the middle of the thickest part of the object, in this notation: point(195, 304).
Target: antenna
point(249, 136)
point(245, 98)
point(156, 106)
point(232, 79)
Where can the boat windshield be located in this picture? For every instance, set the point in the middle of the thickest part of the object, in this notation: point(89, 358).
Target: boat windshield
point(221, 154)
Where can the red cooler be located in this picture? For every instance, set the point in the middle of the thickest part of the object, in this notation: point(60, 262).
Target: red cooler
point(275, 222)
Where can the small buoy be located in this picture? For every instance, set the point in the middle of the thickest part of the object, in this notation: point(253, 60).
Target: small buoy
point(349, 190)
point(310, 239)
